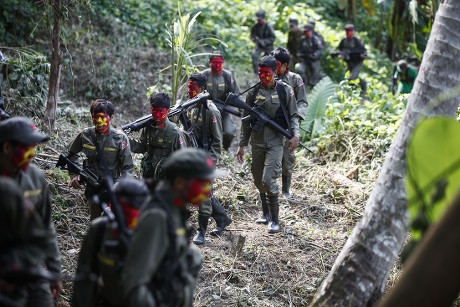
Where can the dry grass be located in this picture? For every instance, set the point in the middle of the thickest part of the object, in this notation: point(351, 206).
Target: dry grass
point(246, 266)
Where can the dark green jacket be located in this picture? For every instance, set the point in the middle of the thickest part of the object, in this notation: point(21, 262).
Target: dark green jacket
point(219, 86)
point(146, 271)
point(157, 143)
point(117, 152)
point(264, 33)
point(296, 83)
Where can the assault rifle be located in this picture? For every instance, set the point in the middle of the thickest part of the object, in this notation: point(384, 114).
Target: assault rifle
point(86, 176)
point(259, 118)
point(348, 54)
point(176, 110)
point(221, 105)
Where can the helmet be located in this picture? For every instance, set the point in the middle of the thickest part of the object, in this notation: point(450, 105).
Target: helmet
point(260, 14)
point(402, 65)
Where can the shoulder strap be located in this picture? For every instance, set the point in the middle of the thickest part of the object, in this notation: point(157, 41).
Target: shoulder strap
point(228, 82)
point(251, 98)
point(283, 101)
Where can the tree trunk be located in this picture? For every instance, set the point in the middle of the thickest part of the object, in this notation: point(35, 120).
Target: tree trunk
point(55, 71)
point(360, 272)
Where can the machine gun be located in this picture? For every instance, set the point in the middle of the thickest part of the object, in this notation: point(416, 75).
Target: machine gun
point(348, 54)
point(142, 122)
point(259, 118)
point(86, 176)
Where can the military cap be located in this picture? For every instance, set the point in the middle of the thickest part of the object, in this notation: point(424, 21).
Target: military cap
point(312, 22)
point(260, 14)
point(293, 22)
point(402, 65)
point(349, 27)
point(189, 163)
point(135, 190)
point(308, 27)
point(21, 130)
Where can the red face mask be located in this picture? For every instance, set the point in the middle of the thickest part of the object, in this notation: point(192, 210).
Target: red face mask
point(131, 214)
point(278, 67)
point(192, 89)
point(307, 34)
point(349, 33)
point(159, 114)
point(260, 21)
point(199, 190)
point(265, 75)
point(216, 65)
point(22, 155)
point(102, 122)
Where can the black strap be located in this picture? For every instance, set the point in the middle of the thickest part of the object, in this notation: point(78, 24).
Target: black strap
point(283, 101)
point(204, 126)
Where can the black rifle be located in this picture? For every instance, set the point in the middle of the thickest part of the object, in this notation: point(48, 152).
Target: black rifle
point(86, 176)
point(142, 122)
point(224, 108)
point(348, 54)
point(259, 118)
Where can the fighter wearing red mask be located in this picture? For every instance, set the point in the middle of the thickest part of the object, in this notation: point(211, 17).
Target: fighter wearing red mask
point(263, 35)
point(113, 144)
point(160, 239)
point(158, 140)
point(309, 51)
point(208, 132)
point(267, 144)
point(102, 253)
point(38, 248)
point(220, 83)
point(353, 52)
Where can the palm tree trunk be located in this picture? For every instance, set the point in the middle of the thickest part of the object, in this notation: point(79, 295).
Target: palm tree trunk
point(359, 274)
point(55, 70)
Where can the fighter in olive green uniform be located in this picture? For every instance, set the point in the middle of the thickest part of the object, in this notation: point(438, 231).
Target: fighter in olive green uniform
point(295, 81)
point(161, 268)
point(309, 52)
point(267, 144)
point(294, 36)
point(17, 142)
point(114, 145)
point(353, 53)
point(102, 252)
point(263, 35)
point(220, 84)
point(213, 139)
point(158, 140)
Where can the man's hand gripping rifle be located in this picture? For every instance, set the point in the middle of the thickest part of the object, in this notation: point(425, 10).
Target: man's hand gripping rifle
point(259, 118)
point(86, 176)
point(180, 109)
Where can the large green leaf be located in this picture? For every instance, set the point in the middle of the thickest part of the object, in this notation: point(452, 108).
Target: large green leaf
point(433, 171)
point(319, 96)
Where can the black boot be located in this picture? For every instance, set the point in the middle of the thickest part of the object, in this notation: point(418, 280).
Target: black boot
point(286, 184)
point(221, 217)
point(227, 141)
point(202, 226)
point(265, 213)
point(274, 225)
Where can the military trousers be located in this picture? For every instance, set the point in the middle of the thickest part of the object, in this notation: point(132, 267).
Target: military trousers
point(34, 294)
point(256, 52)
point(266, 166)
point(288, 160)
point(229, 129)
point(355, 68)
point(310, 71)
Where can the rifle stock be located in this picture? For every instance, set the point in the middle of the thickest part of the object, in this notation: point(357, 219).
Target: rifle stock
point(259, 118)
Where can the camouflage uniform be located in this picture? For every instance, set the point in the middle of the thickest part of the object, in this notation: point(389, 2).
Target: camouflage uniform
point(266, 36)
point(38, 244)
point(117, 154)
point(309, 69)
point(161, 268)
point(295, 81)
point(158, 143)
point(219, 86)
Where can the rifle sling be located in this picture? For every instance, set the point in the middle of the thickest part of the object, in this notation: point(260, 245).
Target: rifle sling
point(283, 101)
